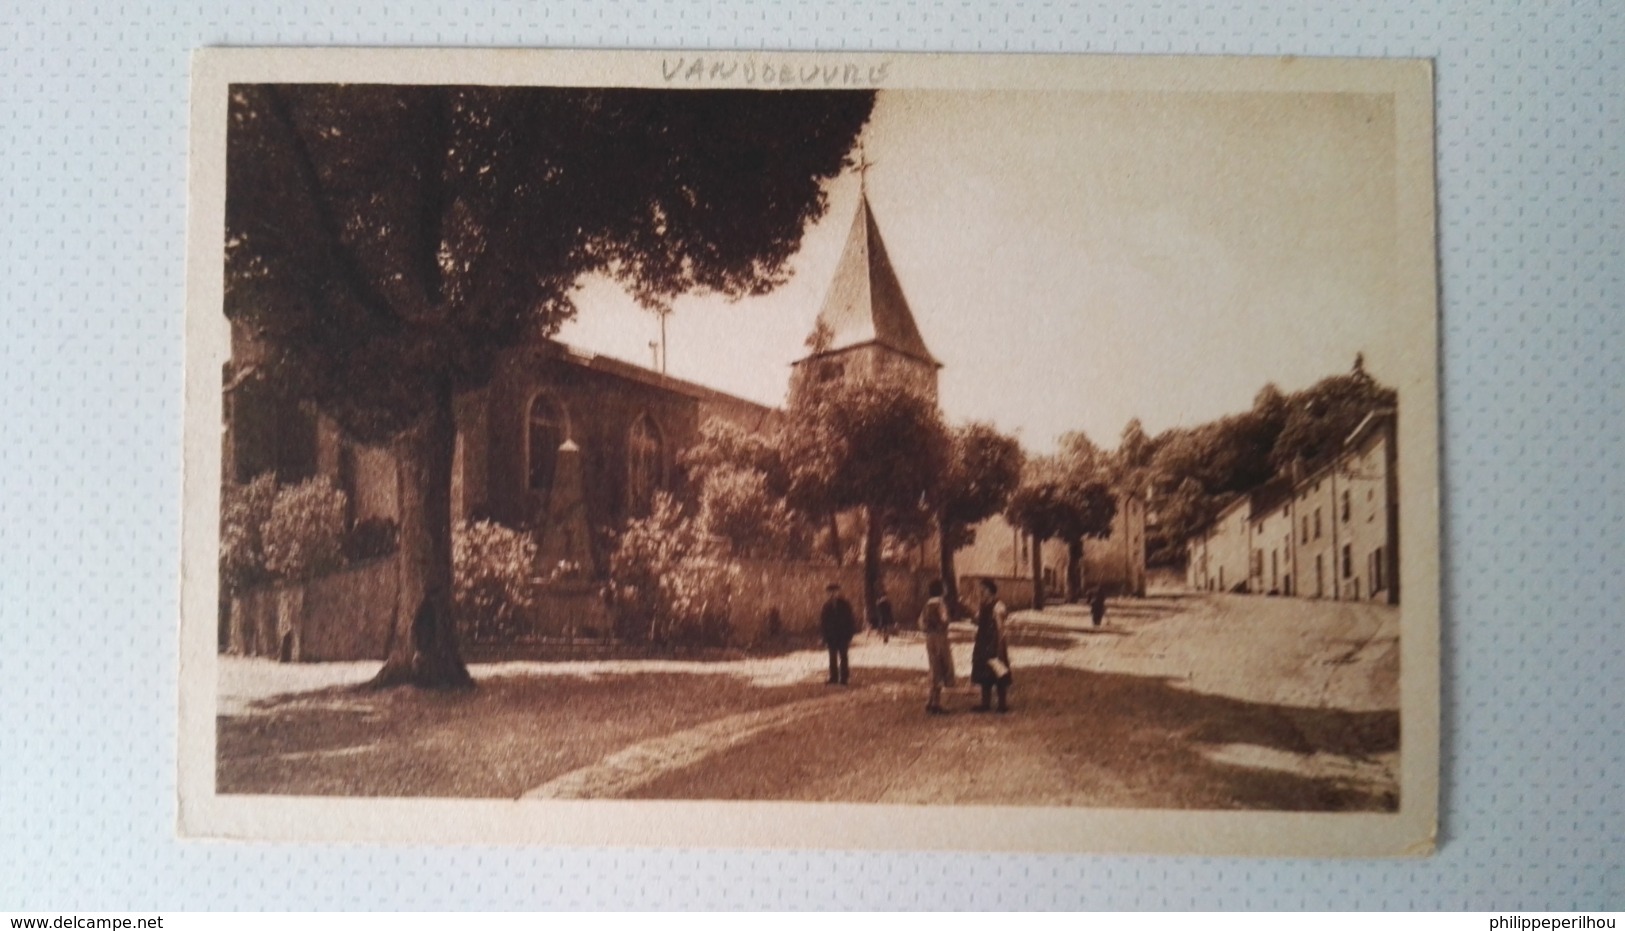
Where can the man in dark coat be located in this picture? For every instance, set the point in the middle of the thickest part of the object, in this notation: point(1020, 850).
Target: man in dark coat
point(838, 624)
point(1097, 605)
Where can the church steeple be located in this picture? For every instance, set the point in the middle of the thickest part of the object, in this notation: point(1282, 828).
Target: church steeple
point(865, 325)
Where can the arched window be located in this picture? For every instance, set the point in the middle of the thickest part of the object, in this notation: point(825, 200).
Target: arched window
point(645, 464)
point(546, 429)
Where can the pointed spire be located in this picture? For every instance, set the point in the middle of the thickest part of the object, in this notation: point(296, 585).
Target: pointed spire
point(865, 303)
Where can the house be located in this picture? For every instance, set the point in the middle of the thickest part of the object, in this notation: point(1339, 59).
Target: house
point(1331, 534)
point(1271, 568)
point(1003, 553)
point(1117, 562)
point(1220, 562)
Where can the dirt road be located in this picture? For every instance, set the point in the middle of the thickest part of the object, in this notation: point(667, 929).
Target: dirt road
point(1177, 702)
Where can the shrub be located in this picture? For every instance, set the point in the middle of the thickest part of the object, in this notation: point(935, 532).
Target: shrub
point(494, 579)
point(670, 583)
point(304, 533)
point(244, 511)
point(736, 505)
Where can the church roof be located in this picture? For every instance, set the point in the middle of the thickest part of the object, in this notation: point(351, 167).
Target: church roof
point(865, 303)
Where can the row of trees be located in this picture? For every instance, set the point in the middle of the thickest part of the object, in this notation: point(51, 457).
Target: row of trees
point(878, 448)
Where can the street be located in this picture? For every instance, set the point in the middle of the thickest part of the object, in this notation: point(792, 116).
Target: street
point(1177, 701)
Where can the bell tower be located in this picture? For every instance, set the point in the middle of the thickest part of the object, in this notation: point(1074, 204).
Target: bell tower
point(865, 328)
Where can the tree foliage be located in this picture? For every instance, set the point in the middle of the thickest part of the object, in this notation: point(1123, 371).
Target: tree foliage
point(1068, 497)
point(740, 484)
point(383, 238)
point(864, 442)
point(875, 444)
point(1054, 502)
point(304, 534)
point(982, 470)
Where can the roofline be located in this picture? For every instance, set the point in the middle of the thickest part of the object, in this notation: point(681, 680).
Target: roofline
point(634, 372)
point(927, 359)
point(1370, 423)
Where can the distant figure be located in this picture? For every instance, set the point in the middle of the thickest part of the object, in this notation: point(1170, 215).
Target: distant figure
point(990, 658)
point(939, 657)
point(837, 624)
point(1097, 605)
point(884, 621)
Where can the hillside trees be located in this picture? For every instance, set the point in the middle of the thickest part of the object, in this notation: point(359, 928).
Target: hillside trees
point(1191, 472)
point(383, 243)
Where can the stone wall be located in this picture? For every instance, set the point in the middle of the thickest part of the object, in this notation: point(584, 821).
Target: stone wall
point(342, 616)
point(794, 591)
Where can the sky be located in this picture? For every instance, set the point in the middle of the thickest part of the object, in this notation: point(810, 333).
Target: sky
point(1076, 260)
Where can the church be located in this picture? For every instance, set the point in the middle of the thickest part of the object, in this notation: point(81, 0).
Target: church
point(574, 444)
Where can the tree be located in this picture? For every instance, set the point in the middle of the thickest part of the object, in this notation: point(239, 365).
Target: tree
point(1091, 479)
point(385, 242)
point(736, 505)
point(740, 483)
point(874, 444)
point(1321, 417)
point(983, 469)
point(1058, 500)
point(1131, 466)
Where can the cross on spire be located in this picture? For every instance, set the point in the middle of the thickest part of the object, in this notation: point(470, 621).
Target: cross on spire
point(863, 166)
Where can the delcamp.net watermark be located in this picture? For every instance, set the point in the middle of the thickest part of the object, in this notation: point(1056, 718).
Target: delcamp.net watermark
point(76, 923)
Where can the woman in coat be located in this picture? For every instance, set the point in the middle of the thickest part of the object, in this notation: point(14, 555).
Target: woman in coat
point(990, 658)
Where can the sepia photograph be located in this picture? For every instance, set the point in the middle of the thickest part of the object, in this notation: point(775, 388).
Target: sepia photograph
point(831, 450)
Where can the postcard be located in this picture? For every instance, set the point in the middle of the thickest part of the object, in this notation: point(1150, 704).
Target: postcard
point(820, 450)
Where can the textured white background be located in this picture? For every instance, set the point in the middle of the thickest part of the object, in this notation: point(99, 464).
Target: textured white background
point(1531, 126)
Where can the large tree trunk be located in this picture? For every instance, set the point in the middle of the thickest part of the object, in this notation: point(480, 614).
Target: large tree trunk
point(1038, 574)
point(950, 576)
point(423, 642)
point(1074, 571)
point(871, 563)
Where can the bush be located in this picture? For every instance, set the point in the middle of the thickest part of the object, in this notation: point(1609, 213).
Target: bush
point(304, 533)
point(494, 579)
point(244, 511)
point(736, 505)
point(670, 583)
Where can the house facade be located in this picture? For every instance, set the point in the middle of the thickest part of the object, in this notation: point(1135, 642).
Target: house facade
point(1118, 561)
point(1220, 562)
point(1003, 553)
point(1332, 534)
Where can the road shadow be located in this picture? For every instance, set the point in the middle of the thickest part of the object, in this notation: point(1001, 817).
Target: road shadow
point(510, 733)
point(1074, 738)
